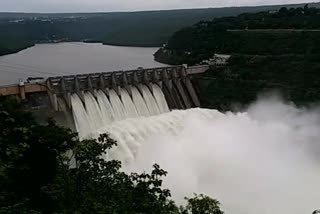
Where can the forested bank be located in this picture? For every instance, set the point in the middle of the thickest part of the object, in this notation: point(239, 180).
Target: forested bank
point(145, 29)
point(194, 50)
point(277, 50)
point(294, 77)
point(11, 45)
point(241, 35)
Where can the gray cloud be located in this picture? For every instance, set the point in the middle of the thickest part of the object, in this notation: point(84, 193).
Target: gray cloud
point(123, 5)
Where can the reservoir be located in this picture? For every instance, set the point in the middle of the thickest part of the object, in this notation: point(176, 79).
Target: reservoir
point(45, 60)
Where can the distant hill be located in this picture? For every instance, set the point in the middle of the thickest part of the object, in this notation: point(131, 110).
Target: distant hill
point(149, 28)
point(287, 31)
point(224, 11)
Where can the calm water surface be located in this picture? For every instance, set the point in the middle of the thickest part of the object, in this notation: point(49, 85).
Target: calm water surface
point(45, 60)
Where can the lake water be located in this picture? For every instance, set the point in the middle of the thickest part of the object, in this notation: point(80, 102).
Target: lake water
point(45, 60)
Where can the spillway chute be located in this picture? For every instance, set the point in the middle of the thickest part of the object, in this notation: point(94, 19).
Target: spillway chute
point(96, 112)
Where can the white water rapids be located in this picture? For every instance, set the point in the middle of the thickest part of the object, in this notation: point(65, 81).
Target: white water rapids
point(266, 160)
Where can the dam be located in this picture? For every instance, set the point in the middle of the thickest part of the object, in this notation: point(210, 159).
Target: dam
point(109, 96)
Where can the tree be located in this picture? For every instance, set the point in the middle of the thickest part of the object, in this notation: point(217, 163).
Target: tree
point(201, 204)
point(29, 157)
point(283, 11)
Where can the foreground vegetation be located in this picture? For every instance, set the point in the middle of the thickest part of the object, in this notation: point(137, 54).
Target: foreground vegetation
point(47, 169)
point(151, 28)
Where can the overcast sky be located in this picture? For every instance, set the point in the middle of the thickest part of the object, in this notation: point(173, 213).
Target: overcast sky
point(123, 5)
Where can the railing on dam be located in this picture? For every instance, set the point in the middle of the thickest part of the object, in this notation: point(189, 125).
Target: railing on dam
point(174, 81)
point(22, 90)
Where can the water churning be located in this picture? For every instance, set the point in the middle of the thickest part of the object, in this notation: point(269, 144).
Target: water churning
point(265, 160)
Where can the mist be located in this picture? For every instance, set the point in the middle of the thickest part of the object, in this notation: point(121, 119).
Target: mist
point(264, 160)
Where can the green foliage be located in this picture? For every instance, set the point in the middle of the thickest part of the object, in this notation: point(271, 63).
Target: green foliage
point(29, 155)
point(47, 169)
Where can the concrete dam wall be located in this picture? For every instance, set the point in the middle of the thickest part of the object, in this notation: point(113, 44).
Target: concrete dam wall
point(130, 91)
point(174, 82)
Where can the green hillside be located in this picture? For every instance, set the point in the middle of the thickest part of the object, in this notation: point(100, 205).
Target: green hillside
point(295, 77)
point(269, 51)
point(149, 28)
point(284, 32)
